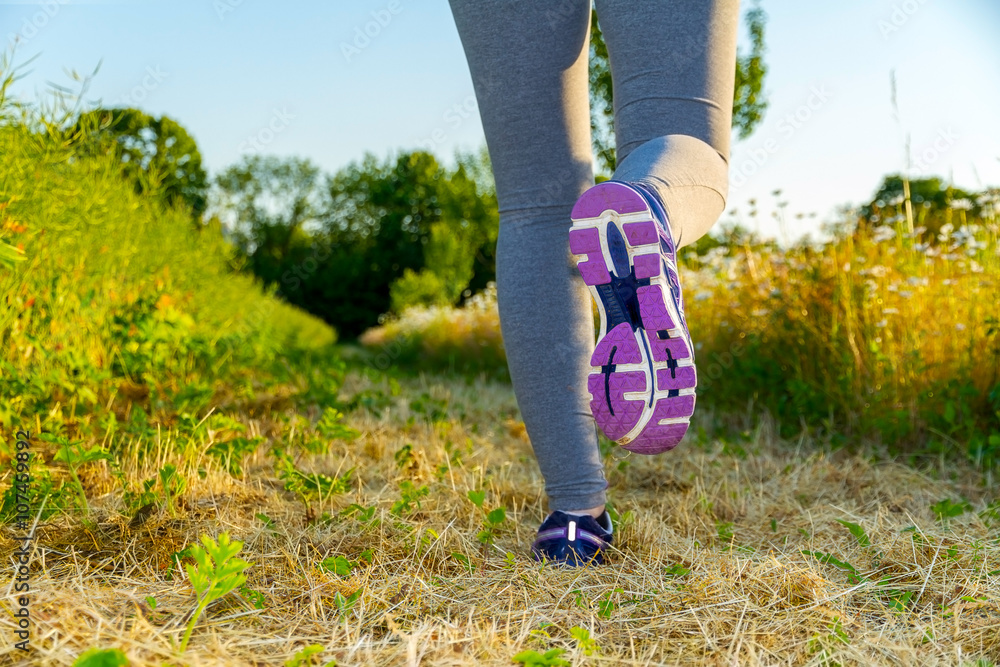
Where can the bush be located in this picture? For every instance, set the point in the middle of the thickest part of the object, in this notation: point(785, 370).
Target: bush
point(442, 338)
point(114, 285)
point(870, 333)
point(373, 237)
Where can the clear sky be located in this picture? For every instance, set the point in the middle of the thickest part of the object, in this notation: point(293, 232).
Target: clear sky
point(252, 75)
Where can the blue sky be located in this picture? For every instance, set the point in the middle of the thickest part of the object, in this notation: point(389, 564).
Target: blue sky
point(249, 75)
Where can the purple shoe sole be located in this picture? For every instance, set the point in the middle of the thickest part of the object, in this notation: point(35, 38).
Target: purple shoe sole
point(643, 376)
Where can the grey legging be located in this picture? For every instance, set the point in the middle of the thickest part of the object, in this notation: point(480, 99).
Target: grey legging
point(673, 66)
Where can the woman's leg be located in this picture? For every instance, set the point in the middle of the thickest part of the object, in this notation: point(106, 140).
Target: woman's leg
point(529, 67)
point(673, 70)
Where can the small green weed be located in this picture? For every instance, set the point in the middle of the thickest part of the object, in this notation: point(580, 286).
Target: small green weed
point(409, 499)
point(304, 657)
point(548, 659)
point(946, 509)
point(310, 486)
point(215, 573)
point(331, 426)
point(464, 560)
point(345, 604)
point(676, 570)
point(364, 515)
point(606, 606)
point(254, 597)
point(857, 531)
point(587, 644)
point(231, 453)
point(492, 519)
point(102, 657)
point(339, 565)
point(828, 642)
point(75, 455)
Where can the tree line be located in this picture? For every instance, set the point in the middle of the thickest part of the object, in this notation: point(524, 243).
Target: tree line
point(380, 234)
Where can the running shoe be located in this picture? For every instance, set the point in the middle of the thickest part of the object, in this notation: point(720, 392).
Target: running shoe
point(643, 376)
point(572, 539)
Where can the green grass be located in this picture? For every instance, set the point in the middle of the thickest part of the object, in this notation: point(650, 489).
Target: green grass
point(116, 294)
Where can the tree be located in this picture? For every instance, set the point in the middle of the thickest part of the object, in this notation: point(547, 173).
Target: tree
point(425, 233)
point(749, 103)
point(157, 154)
point(934, 203)
point(459, 257)
point(267, 203)
point(377, 235)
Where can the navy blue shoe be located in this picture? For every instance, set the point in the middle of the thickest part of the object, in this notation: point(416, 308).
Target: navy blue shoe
point(573, 540)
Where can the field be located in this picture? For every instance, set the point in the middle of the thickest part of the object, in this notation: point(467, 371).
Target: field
point(383, 516)
point(746, 551)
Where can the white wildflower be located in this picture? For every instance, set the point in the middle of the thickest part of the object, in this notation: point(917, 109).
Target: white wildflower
point(883, 233)
point(878, 271)
point(945, 232)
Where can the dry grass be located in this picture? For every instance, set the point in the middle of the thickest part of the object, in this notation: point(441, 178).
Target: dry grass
point(698, 576)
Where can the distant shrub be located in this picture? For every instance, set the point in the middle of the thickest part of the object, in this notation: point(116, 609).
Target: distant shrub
point(441, 338)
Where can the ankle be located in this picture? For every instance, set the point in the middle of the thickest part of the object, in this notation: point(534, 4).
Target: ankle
point(593, 511)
